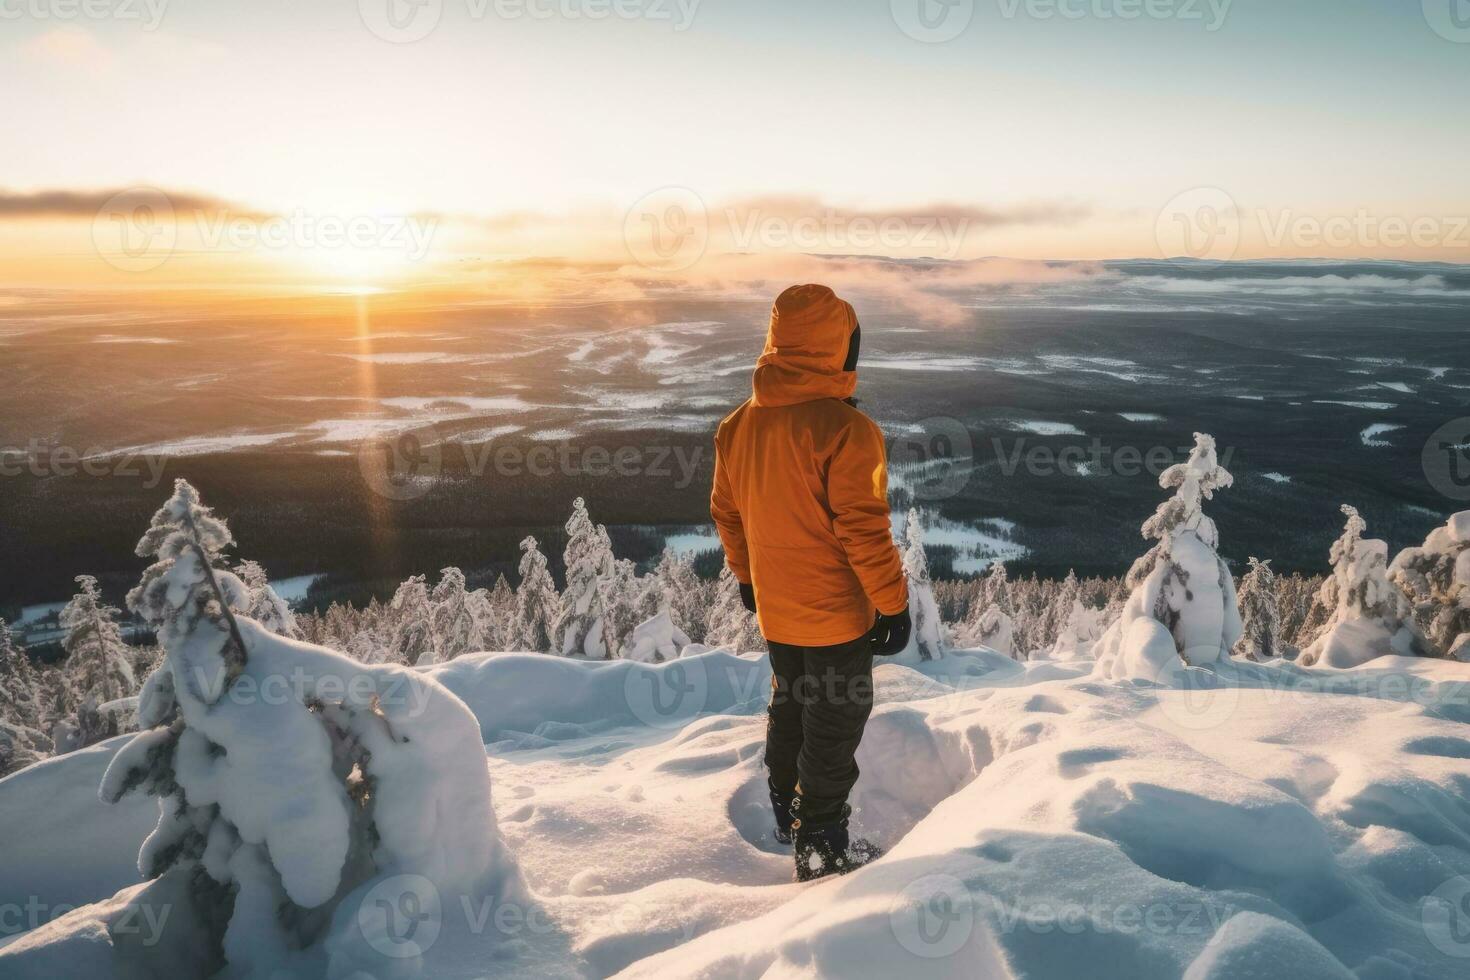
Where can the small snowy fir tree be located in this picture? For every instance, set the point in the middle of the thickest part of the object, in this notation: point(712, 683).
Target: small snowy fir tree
point(1260, 614)
point(589, 562)
point(731, 625)
point(1370, 616)
point(99, 665)
point(97, 659)
point(992, 625)
point(929, 635)
point(413, 618)
point(1182, 609)
point(499, 615)
point(1059, 609)
point(369, 646)
point(20, 695)
point(655, 640)
point(621, 594)
point(456, 626)
point(274, 809)
point(266, 607)
point(1078, 633)
point(689, 596)
point(537, 602)
point(676, 589)
point(22, 735)
point(995, 629)
point(1436, 578)
point(59, 705)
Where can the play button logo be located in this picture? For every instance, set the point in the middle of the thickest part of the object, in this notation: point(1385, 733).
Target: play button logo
point(932, 21)
point(401, 21)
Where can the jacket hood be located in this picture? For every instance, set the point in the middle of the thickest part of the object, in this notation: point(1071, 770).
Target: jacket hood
point(806, 350)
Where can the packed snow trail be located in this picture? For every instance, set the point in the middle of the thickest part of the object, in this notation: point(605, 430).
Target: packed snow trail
point(1259, 820)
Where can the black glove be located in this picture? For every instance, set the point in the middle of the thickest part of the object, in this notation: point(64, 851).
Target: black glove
point(890, 634)
point(747, 596)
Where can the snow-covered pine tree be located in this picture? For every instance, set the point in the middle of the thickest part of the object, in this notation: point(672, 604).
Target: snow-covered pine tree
point(1182, 609)
point(273, 809)
point(691, 599)
point(1078, 632)
point(413, 622)
point(660, 583)
point(991, 624)
point(369, 646)
point(1117, 600)
point(1370, 616)
point(500, 610)
point(1061, 605)
point(621, 592)
point(589, 561)
point(99, 665)
point(20, 696)
point(651, 597)
point(22, 729)
point(266, 608)
point(1436, 578)
point(1296, 597)
point(537, 602)
point(340, 626)
point(1315, 621)
point(929, 634)
point(996, 630)
point(1260, 614)
point(97, 659)
point(59, 704)
point(675, 587)
point(1029, 598)
point(955, 598)
point(610, 592)
point(456, 627)
point(731, 625)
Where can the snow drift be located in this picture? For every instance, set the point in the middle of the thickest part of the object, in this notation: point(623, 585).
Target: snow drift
point(1250, 820)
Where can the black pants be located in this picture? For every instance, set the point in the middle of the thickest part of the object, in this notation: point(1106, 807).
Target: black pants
point(820, 701)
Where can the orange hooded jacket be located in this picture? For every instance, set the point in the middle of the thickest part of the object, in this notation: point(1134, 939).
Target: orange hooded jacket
point(801, 484)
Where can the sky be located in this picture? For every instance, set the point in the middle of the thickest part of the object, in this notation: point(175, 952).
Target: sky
point(452, 131)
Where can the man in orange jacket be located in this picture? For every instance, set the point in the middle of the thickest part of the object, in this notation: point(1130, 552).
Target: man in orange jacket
point(801, 502)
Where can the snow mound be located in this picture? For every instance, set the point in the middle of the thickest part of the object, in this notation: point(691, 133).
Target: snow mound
point(1256, 945)
point(655, 640)
point(516, 693)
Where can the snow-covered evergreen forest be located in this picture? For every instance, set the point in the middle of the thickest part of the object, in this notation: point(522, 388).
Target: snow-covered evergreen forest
point(609, 609)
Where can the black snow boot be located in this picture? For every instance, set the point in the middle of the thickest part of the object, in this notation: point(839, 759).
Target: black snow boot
point(825, 849)
point(781, 804)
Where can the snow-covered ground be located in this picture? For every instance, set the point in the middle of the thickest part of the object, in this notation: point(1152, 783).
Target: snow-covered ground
point(1254, 821)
